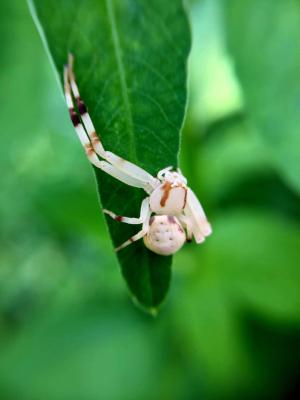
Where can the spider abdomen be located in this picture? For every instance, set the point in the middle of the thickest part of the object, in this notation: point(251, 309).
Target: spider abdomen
point(168, 199)
point(165, 236)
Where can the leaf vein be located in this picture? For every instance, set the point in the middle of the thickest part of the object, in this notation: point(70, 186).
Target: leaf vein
point(123, 80)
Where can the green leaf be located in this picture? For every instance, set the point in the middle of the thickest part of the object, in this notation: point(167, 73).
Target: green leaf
point(236, 142)
point(263, 40)
point(130, 64)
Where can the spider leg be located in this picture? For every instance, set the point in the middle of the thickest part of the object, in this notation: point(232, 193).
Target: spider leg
point(84, 139)
point(89, 147)
point(140, 234)
point(121, 164)
point(132, 221)
point(133, 239)
point(187, 224)
point(121, 176)
point(85, 117)
point(194, 211)
point(132, 170)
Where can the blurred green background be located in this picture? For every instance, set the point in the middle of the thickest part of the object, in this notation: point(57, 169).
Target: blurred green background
point(230, 327)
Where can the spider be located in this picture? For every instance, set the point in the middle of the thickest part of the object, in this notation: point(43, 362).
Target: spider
point(170, 215)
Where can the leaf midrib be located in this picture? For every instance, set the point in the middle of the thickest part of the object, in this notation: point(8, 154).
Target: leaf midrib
point(123, 80)
point(128, 114)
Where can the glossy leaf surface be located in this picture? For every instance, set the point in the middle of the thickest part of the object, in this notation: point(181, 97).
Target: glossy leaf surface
point(130, 63)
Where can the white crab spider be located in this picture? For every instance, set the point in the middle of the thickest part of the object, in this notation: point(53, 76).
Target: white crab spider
point(177, 213)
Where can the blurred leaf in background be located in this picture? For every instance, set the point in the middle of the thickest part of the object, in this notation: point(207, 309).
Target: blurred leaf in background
point(231, 326)
point(214, 90)
point(262, 39)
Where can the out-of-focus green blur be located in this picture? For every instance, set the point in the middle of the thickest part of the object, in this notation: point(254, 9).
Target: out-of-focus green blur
point(230, 326)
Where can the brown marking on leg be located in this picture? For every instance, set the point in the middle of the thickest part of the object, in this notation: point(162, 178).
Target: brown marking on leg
point(74, 117)
point(151, 220)
point(118, 218)
point(94, 138)
point(89, 149)
point(166, 188)
point(81, 106)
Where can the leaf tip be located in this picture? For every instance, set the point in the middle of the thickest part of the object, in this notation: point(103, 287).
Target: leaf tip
point(153, 311)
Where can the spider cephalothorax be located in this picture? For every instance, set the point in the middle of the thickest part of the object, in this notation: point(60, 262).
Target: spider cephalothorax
point(171, 213)
point(169, 197)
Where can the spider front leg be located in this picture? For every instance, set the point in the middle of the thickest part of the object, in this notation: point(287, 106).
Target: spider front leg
point(72, 88)
point(81, 133)
point(147, 181)
point(89, 146)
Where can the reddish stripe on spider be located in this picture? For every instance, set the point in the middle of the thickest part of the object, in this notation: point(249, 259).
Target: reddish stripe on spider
point(185, 197)
point(166, 188)
point(119, 218)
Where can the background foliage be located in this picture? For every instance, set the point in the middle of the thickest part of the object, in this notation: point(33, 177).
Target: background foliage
point(230, 328)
